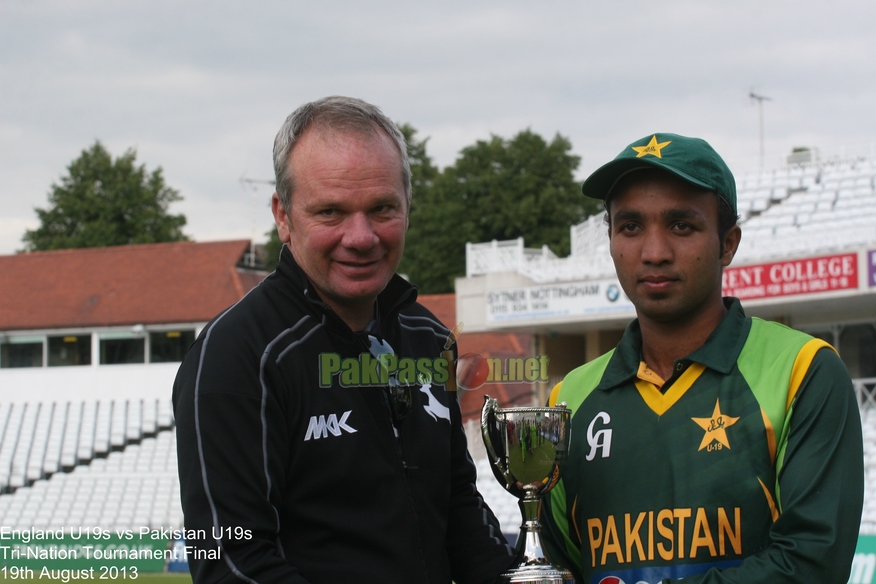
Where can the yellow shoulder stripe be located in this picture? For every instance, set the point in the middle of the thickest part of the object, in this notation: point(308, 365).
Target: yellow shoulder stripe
point(555, 394)
point(801, 367)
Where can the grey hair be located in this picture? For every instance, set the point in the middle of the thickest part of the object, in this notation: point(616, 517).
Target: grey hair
point(346, 114)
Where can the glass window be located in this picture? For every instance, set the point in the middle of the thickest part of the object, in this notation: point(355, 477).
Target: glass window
point(826, 336)
point(21, 352)
point(70, 350)
point(169, 346)
point(857, 347)
point(122, 349)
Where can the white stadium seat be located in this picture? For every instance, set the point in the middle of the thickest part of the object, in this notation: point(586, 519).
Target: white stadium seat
point(56, 477)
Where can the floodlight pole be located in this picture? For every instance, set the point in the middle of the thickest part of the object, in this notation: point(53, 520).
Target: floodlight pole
point(760, 99)
point(252, 183)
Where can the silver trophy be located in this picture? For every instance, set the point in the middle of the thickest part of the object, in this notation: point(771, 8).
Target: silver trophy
point(526, 447)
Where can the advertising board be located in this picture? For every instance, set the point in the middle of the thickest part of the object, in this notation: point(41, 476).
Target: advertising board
point(803, 276)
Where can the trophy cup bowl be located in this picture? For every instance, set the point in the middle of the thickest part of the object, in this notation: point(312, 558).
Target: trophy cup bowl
point(526, 447)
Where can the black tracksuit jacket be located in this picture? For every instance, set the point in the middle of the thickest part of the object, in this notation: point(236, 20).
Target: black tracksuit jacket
point(283, 480)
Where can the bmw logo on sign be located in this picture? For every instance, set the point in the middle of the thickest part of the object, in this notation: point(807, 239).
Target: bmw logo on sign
point(612, 293)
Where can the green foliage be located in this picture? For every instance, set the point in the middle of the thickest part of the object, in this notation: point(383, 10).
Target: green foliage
point(103, 202)
point(423, 172)
point(497, 189)
point(272, 250)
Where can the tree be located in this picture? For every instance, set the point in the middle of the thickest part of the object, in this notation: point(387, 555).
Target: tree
point(103, 202)
point(272, 249)
point(420, 262)
point(497, 189)
point(423, 172)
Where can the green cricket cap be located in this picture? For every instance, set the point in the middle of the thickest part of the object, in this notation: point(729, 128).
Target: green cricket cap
point(690, 159)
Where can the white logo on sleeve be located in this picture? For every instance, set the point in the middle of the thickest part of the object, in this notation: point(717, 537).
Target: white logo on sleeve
point(320, 426)
point(601, 439)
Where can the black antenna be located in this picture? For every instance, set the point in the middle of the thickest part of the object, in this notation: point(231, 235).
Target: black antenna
point(253, 185)
point(760, 99)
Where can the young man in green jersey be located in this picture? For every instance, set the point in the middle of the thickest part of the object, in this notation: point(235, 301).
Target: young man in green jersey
point(708, 445)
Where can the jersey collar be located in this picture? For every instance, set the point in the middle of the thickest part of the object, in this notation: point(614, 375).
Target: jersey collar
point(719, 352)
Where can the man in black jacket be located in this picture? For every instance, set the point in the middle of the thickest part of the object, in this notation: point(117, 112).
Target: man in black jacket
point(317, 441)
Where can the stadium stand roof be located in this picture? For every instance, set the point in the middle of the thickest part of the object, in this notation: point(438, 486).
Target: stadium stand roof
point(123, 285)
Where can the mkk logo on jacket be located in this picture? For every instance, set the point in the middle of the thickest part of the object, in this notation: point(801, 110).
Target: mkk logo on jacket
point(321, 426)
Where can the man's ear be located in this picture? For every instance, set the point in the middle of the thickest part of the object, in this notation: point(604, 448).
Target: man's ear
point(731, 244)
point(281, 218)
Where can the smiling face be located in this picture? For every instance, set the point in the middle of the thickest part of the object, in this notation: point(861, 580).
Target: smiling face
point(666, 248)
point(347, 218)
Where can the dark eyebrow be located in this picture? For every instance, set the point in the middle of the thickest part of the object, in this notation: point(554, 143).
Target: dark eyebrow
point(627, 216)
point(682, 214)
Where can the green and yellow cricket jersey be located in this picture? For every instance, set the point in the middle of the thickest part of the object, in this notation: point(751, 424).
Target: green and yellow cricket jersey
point(746, 466)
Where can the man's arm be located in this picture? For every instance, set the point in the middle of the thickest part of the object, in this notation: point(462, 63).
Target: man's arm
point(228, 468)
point(821, 488)
point(476, 546)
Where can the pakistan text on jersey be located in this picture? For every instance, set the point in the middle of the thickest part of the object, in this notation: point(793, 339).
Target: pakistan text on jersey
point(637, 538)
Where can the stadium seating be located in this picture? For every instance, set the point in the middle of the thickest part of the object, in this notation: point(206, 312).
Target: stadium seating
point(868, 419)
point(807, 210)
point(100, 463)
point(798, 210)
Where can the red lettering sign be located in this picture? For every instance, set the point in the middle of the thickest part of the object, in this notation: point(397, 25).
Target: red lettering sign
point(806, 276)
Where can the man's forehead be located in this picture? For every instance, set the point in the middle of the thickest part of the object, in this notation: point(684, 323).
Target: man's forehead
point(331, 147)
point(638, 181)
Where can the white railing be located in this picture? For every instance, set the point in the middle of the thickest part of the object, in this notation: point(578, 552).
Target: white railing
point(502, 256)
point(589, 259)
point(865, 388)
point(589, 235)
point(540, 265)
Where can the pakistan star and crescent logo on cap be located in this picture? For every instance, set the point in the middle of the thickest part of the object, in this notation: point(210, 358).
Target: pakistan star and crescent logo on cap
point(715, 427)
point(652, 148)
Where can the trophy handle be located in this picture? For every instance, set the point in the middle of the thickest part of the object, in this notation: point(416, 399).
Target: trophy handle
point(492, 440)
point(488, 421)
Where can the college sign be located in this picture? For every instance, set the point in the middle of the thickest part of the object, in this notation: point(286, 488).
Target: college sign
point(806, 276)
point(551, 300)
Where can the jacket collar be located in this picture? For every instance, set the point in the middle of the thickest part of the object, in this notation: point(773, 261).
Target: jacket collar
point(397, 295)
point(720, 351)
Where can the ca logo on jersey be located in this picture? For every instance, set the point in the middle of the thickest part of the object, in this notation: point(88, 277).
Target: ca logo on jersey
point(599, 440)
point(320, 426)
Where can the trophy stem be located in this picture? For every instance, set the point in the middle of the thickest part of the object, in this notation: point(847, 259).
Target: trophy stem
point(534, 567)
point(531, 553)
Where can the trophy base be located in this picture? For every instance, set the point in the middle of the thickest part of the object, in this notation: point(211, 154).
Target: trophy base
point(536, 575)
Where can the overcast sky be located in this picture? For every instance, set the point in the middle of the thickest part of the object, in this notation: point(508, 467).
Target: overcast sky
point(200, 88)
